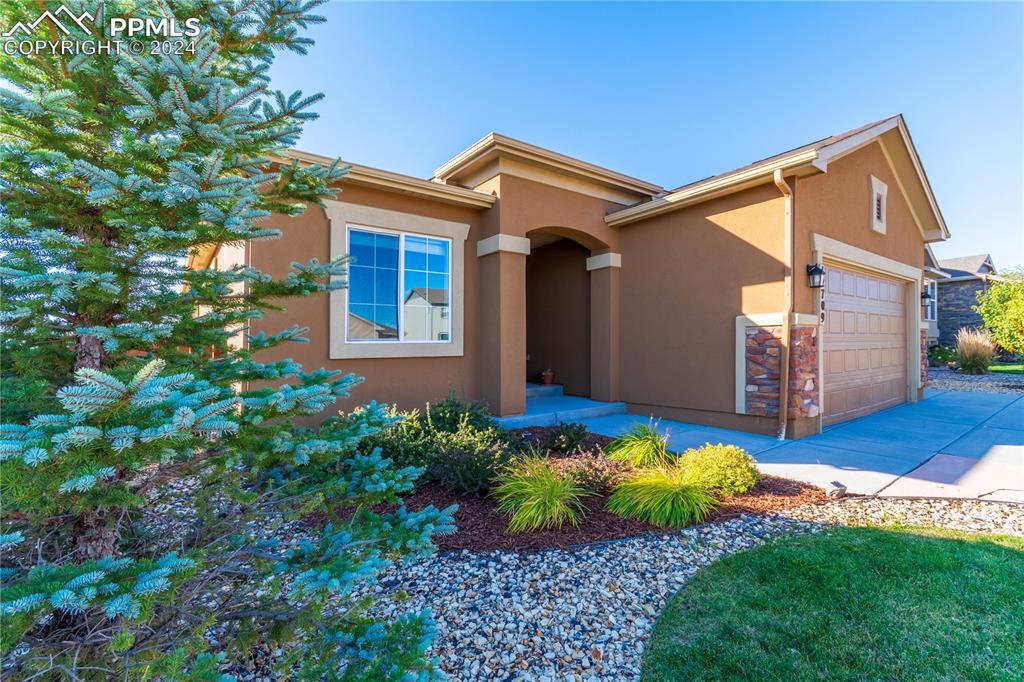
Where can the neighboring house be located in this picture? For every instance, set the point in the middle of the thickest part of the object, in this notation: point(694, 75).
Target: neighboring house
point(514, 258)
point(930, 305)
point(966, 277)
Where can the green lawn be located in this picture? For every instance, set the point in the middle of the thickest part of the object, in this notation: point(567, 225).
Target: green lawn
point(1009, 367)
point(855, 604)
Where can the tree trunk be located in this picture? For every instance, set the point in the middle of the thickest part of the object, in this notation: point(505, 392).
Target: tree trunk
point(88, 352)
point(93, 538)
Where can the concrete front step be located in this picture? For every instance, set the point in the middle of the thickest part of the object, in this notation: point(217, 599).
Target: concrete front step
point(542, 391)
point(550, 410)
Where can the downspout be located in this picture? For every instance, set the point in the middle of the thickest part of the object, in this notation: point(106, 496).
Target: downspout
point(787, 302)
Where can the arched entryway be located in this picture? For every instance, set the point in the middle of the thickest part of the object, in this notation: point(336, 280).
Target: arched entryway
point(558, 312)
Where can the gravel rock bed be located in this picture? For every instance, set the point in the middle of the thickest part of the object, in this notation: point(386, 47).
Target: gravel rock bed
point(945, 379)
point(586, 613)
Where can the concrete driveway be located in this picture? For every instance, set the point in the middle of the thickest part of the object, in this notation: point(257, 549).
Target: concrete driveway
point(951, 444)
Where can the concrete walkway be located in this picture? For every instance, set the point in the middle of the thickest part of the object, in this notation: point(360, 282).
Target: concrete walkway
point(951, 444)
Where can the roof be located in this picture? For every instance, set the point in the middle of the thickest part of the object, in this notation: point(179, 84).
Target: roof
point(432, 296)
point(396, 182)
point(968, 266)
point(806, 160)
point(493, 145)
point(816, 146)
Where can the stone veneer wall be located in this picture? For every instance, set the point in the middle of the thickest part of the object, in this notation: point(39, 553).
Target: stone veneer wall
point(924, 358)
point(763, 350)
point(956, 300)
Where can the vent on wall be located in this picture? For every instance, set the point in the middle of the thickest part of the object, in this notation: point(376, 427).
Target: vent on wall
point(878, 192)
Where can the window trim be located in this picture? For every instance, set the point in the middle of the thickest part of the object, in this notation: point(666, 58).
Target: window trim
point(340, 216)
point(401, 234)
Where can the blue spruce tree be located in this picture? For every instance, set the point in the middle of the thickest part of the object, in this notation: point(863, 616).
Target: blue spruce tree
point(120, 377)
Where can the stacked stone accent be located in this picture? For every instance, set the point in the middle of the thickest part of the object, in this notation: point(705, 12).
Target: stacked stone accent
point(763, 351)
point(924, 358)
point(956, 308)
point(803, 372)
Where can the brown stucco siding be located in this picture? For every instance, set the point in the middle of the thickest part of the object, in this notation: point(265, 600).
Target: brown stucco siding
point(527, 205)
point(558, 315)
point(686, 276)
point(409, 382)
point(837, 204)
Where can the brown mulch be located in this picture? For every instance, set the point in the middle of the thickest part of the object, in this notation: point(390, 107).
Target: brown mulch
point(540, 435)
point(481, 527)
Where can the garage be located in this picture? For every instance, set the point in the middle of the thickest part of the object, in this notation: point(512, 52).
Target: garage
point(864, 343)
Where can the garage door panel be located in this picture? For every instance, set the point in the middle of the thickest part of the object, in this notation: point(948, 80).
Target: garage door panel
point(864, 342)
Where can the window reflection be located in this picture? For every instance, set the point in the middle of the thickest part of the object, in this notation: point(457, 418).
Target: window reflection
point(373, 286)
point(425, 294)
point(376, 278)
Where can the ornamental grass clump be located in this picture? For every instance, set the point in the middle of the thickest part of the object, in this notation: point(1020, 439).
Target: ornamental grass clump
point(536, 496)
point(723, 469)
point(974, 350)
point(663, 496)
point(641, 446)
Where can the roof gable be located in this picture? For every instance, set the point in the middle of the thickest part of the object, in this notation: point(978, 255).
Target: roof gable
point(967, 266)
point(891, 133)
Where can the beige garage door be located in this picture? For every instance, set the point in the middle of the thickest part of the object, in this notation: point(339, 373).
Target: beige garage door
point(865, 361)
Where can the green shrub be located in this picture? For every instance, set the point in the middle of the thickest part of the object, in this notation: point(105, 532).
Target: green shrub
point(535, 495)
point(594, 471)
point(468, 469)
point(567, 437)
point(1001, 306)
point(663, 496)
point(974, 350)
point(451, 413)
point(641, 446)
point(459, 445)
point(723, 469)
point(405, 441)
point(940, 356)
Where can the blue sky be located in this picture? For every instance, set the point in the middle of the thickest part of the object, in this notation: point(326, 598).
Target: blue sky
point(675, 92)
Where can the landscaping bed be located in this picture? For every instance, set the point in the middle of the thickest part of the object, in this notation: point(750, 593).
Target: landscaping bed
point(561, 486)
point(945, 379)
point(587, 612)
point(482, 527)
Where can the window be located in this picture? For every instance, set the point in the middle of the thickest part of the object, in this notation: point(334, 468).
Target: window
point(930, 306)
point(399, 287)
point(878, 192)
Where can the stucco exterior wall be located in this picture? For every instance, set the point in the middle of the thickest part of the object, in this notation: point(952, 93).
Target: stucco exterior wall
point(686, 276)
point(410, 382)
point(956, 303)
point(527, 205)
point(558, 315)
point(838, 204)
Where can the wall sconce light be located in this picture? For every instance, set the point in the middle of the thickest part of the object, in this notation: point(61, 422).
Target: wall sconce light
point(816, 276)
point(926, 297)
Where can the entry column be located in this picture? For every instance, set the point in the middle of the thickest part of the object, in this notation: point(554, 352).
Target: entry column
point(503, 321)
point(604, 325)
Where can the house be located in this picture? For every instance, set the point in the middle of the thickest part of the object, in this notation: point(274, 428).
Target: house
point(965, 278)
point(930, 296)
point(705, 303)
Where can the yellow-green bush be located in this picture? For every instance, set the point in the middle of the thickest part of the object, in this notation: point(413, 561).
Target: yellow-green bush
point(723, 469)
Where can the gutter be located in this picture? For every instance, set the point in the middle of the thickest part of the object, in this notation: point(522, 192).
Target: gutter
point(711, 188)
point(787, 301)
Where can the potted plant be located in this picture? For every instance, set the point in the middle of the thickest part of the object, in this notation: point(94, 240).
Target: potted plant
point(547, 377)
